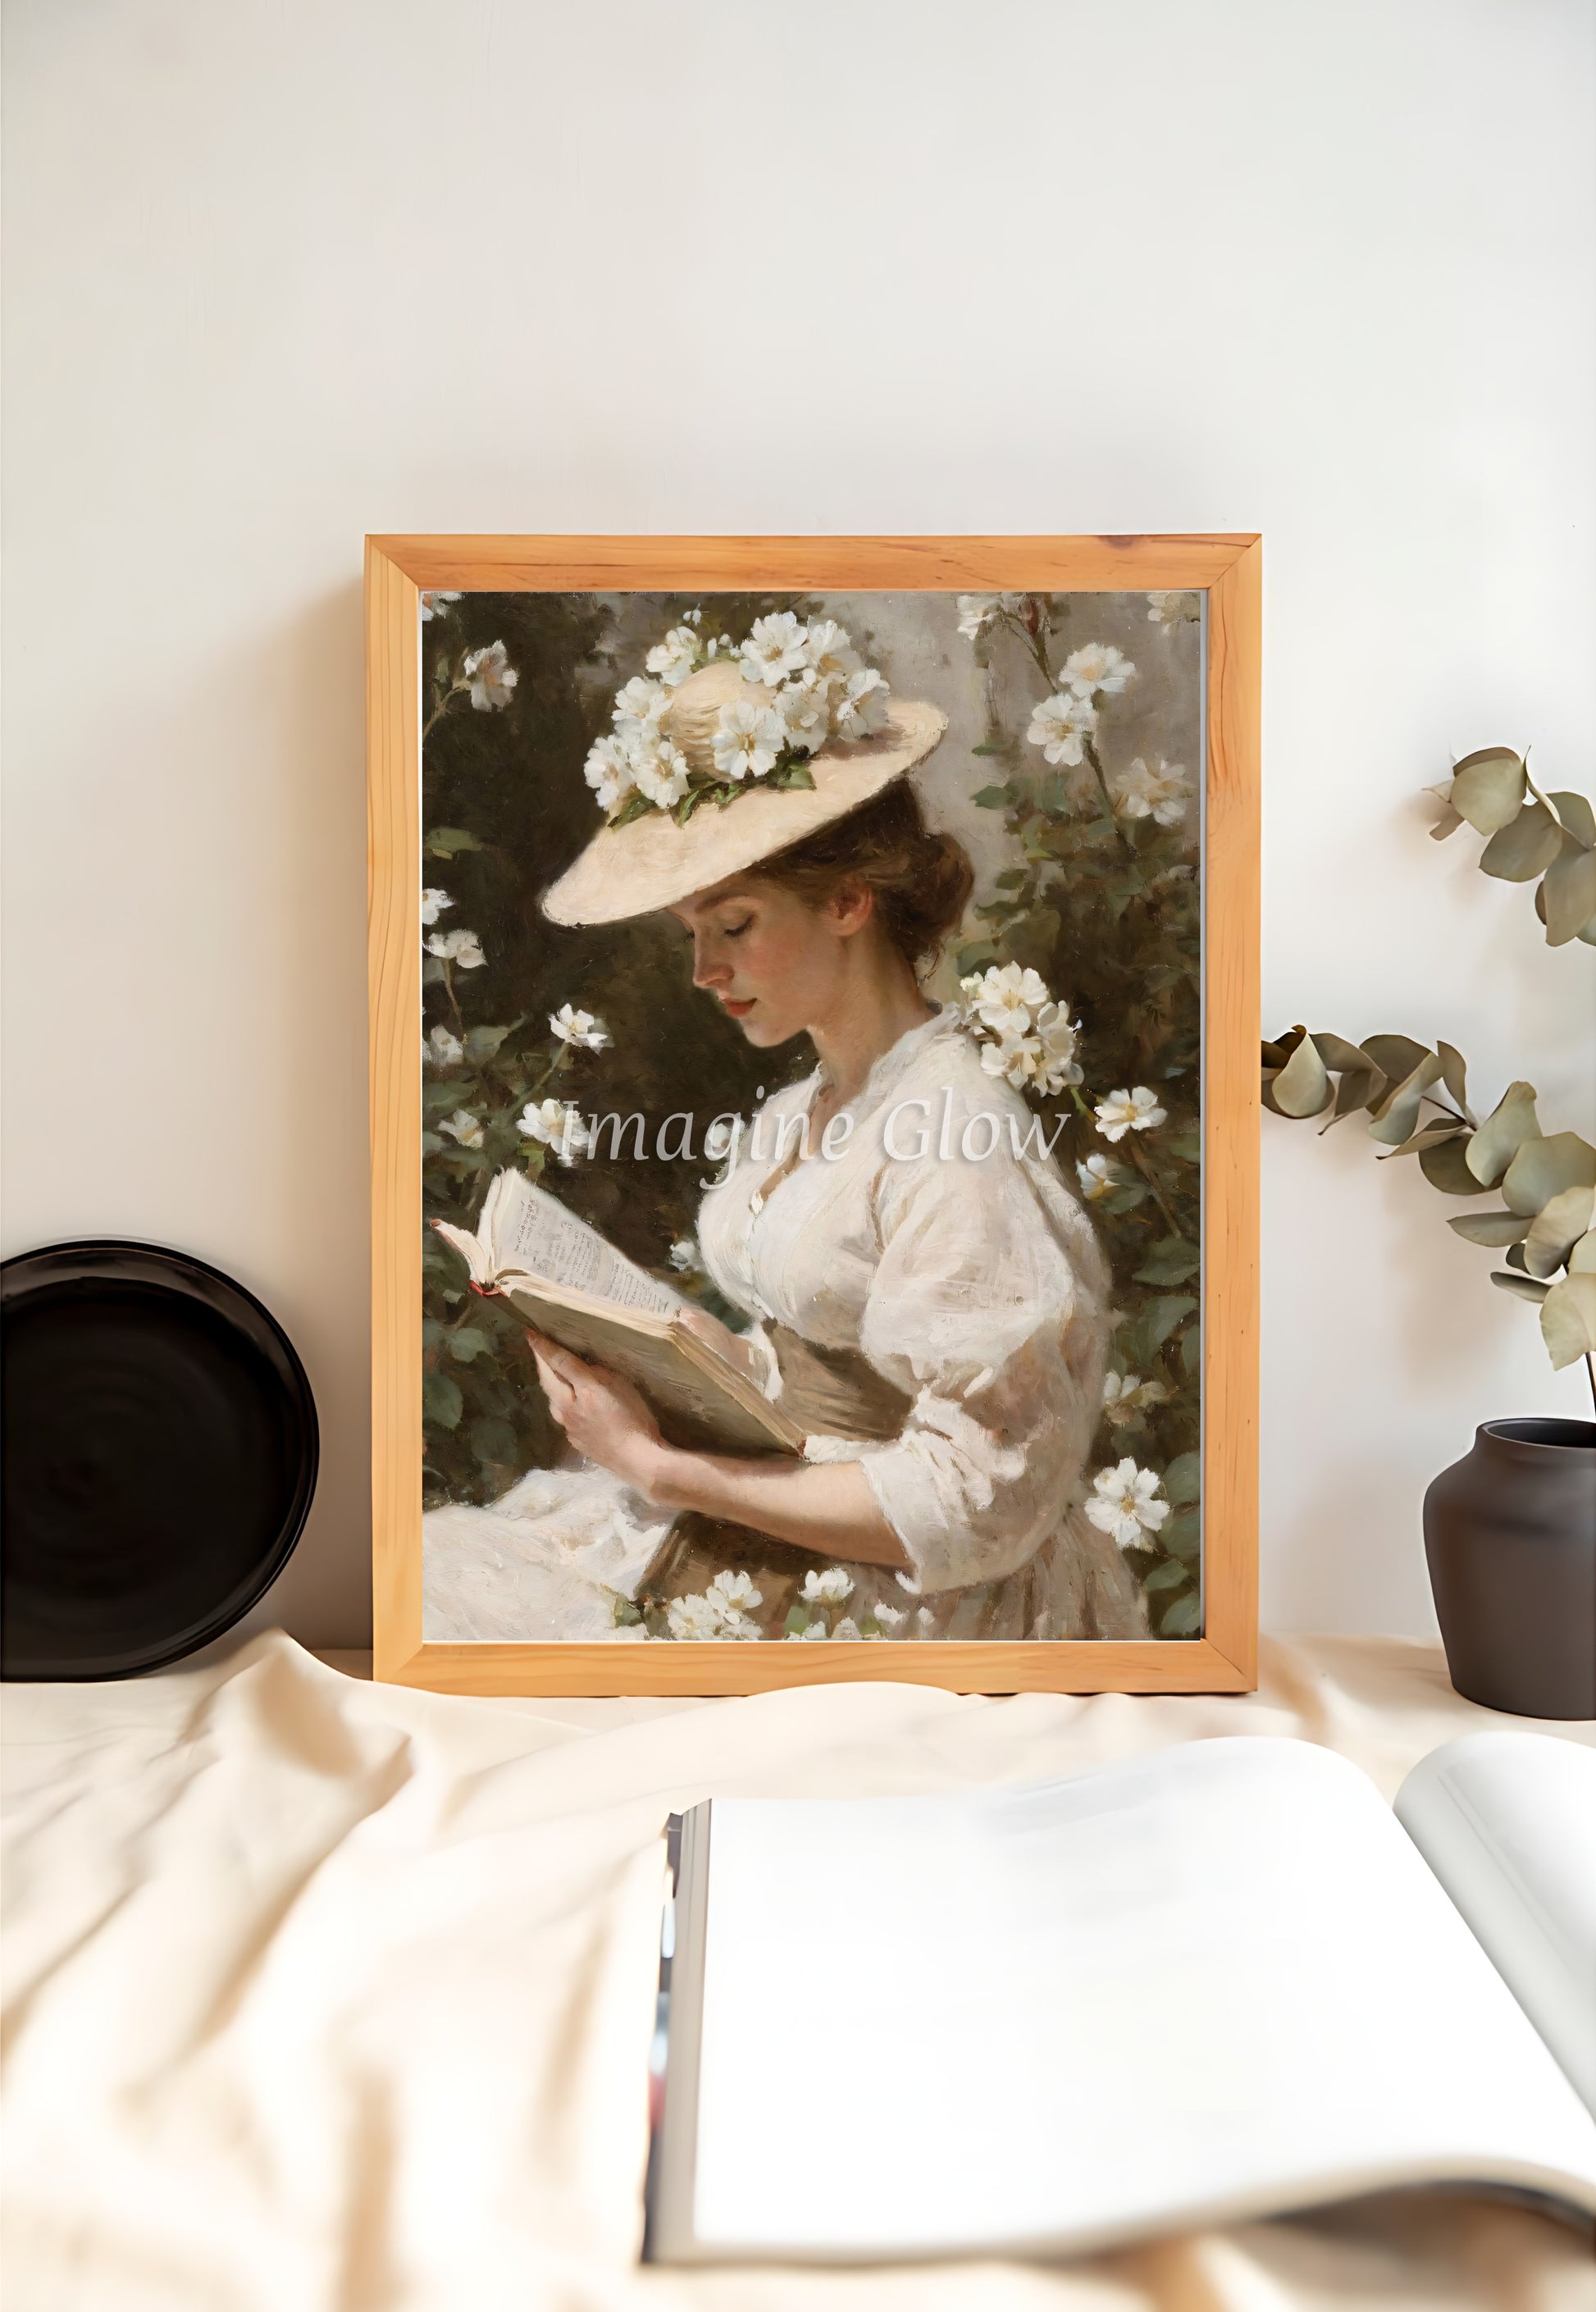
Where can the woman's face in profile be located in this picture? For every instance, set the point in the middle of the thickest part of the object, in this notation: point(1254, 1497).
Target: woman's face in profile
point(774, 963)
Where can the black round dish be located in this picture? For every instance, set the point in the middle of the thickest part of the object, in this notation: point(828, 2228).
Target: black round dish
point(160, 1456)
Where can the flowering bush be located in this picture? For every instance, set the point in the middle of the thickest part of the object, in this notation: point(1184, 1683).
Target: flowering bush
point(1080, 981)
point(1089, 976)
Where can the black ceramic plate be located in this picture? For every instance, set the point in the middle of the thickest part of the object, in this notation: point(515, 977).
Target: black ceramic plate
point(160, 1456)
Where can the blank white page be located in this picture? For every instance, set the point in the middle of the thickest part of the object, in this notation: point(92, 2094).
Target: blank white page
point(1214, 1981)
point(1507, 1822)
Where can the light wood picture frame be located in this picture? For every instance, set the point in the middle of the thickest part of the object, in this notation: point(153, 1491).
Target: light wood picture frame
point(1222, 575)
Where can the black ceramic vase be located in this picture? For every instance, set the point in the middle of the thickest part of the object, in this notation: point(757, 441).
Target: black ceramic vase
point(1510, 1533)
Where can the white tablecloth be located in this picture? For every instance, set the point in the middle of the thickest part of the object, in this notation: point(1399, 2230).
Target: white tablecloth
point(322, 1994)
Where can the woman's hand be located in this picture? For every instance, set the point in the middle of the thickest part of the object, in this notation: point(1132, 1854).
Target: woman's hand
point(604, 1417)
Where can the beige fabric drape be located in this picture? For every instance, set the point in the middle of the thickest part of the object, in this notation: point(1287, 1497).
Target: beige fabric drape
point(321, 1994)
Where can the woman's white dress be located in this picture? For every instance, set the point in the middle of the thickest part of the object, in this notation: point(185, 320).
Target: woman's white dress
point(927, 1235)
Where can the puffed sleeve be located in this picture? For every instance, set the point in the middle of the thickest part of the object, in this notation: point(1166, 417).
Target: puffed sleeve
point(988, 1308)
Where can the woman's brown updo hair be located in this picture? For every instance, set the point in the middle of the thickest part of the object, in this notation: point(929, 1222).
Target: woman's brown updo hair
point(921, 881)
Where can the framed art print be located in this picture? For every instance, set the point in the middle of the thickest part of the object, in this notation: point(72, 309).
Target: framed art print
point(814, 1025)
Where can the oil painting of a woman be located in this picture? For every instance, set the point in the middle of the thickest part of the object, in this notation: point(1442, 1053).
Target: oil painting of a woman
point(889, 1249)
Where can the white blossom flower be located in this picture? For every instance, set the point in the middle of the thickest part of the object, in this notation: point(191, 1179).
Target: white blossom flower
point(1122, 1504)
point(747, 739)
point(1129, 1111)
point(1096, 666)
point(1097, 1176)
point(1061, 725)
point(1057, 1035)
point(828, 654)
point(489, 676)
point(463, 948)
point(573, 1027)
point(774, 649)
point(433, 903)
point(1170, 606)
point(436, 601)
point(803, 707)
point(465, 1128)
point(977, 611)
point(558, 1124)
point(684, 1256)
point(735, 1592)
point(640, 702)
point(1015, 1058)
point(888, 1617)
point(608, 770)
point(860, 708)
point(674, 658)
point(813, 1630)
point(1004, 997)
point(1141, 791)
point(827, 1589)
point(1124, 1396)
point(443, 1050)
point(693, 1617)
point(660, 769)
point(848, 1628)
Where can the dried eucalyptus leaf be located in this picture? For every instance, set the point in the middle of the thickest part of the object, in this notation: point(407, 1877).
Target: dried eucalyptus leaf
point(1396, 1057)
point(1568, 1319)
point(1525, 1287)
point(1447, 824)
point(1445, 1166)
point(1576, 815)
point(1337, 1053)
point(1398, 1113)
point(1515, 1259)
point(1454, 1075)
point(1491, 1228)
point(1518, 853)
point(1428, 1135)
point(1360, 1088)
point(1543, 1168)
point(1301, 1088)
point(1570, 889)
point(1556, 1229)
point(1496, 1142)
point(1487, 787)
point(1581, 1258)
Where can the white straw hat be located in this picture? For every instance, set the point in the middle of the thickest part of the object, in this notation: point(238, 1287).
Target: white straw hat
point(652, 862)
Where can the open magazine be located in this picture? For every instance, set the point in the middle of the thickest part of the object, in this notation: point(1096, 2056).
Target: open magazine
point(1221, 1982)
point(570, 1283)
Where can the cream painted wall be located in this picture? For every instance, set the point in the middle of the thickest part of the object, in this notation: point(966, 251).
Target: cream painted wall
point(284, 271)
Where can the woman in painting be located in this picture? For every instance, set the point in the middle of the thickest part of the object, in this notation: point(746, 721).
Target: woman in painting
point(927, 1298)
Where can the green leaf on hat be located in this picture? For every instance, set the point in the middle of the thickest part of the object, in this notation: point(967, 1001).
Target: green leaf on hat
point(1542, 1169)
point(1496, 1142)
point(1487, 787)
point(1568, 1319)
point(1525, 848)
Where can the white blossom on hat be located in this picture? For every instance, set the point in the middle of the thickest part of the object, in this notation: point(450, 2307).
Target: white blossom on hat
point(747, 739)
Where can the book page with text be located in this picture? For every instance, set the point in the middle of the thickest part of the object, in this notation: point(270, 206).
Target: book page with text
point(528, 1233)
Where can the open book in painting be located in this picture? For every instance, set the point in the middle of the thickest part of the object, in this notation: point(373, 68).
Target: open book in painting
point(1220, 1982)
point(571, 1284)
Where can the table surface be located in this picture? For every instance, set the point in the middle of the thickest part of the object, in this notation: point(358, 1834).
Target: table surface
point(329, 1996)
